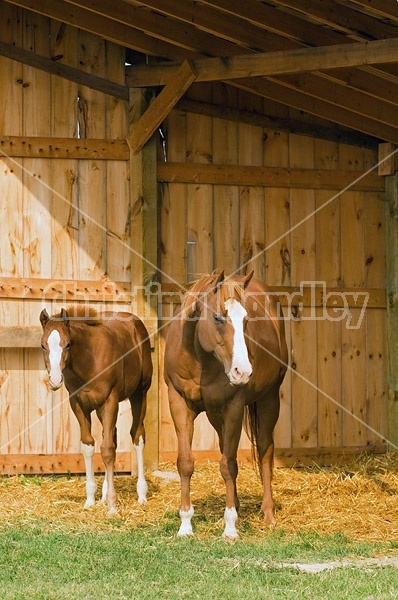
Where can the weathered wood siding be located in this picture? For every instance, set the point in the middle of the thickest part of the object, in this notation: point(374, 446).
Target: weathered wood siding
point(61, 220)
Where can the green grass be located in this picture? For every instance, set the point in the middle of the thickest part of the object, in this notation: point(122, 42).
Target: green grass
point(152, 563)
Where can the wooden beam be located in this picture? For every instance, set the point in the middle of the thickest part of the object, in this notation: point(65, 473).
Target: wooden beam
point(267, 176)
point(144, 260)
point(50, 290)
point(55, 147)
point(36, 464)
point(290, 457)
point(148, 123)
point(317, 296)
point(267, 64)
point(57, 68)
point(20, 336)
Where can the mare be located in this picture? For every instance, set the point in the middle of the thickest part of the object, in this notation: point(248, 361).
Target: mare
point(102, 359)
point(226, 354)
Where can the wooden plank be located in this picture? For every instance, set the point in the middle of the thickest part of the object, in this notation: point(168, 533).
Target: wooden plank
point(226, 198)
point(64, 290)
point(148, 123)
point(265, 64)
point(92, 173)
point(63, 147)
point(20, 336)
point(251, 199)
point(388, 159)
point(392, 304)
point(172, 256)
point(48, 65)
point(252, 175)
point(291, 457)
point(12, 372)
point(32, 464)
point(200, 234)
point(118, 211)
point(37, 205)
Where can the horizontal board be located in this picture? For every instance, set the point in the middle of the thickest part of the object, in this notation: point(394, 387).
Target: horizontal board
point(57, 147)
point(35, 464)
point(249, 175)
point(290, 457)
point(317, 295)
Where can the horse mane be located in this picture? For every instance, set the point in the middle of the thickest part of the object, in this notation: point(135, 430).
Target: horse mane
point(227, 288)
point(83, 314)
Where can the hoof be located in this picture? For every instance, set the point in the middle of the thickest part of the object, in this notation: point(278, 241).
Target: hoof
point(182, 534)
point(228, 537)
point(112, 511)
point(89, 502)
point(142, 500)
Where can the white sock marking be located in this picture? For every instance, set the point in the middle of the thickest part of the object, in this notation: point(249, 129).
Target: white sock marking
point(230, 517)
point(186, 527)
point(91, 486)
point(142, 487)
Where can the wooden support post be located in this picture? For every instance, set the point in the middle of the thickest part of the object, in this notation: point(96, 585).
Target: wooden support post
point(144, 260)
point(392, 303)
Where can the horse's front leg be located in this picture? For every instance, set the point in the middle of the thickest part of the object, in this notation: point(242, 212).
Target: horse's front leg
point(107, 414)
point(267, 415)
point(232, 427)
point(183, 419)
point(87, 447)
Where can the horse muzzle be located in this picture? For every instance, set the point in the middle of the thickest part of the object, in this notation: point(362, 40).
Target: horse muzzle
point(239, 376)
point(55, 382)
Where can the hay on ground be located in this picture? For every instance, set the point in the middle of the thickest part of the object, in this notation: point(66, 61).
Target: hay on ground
point(359, 500)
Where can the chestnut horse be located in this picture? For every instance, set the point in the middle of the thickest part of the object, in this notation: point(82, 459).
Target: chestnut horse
point(226, 354)
point(103, 360)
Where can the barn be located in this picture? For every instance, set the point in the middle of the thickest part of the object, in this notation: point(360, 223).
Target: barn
point(144, 143)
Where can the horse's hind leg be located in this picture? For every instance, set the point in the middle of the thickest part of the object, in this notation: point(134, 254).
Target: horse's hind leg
point(87, 448)
point(107, 414)
point(138, 409)
point(183, 419)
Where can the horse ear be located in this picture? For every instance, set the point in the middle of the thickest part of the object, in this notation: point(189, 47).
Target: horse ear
point(247, 280)
point(219, 281)
point(64, 315)
point(44, 317)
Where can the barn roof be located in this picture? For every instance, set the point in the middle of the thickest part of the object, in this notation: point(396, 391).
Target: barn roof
point(333, 63)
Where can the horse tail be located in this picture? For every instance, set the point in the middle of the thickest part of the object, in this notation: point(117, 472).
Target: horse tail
point(250, 424)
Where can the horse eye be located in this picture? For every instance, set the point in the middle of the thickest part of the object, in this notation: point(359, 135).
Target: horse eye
point(67, 346)
point(43, 347)
point(220, 319)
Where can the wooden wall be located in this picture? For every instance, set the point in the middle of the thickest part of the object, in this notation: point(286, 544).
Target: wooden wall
point(67, 225)
point(333, 399)
point(61, 221)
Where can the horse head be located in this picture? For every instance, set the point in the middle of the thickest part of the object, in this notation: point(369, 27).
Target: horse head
point(55, 343)
point(218, 310)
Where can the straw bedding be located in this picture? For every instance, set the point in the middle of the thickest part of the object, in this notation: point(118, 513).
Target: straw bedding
point(359, 500)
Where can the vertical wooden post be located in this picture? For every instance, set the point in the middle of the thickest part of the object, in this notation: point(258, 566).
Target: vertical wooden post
point(392, 302)
point(144, 260)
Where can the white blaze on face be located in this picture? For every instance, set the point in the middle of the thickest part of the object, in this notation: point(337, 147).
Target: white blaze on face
point(55, 354)
point(241, 368)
